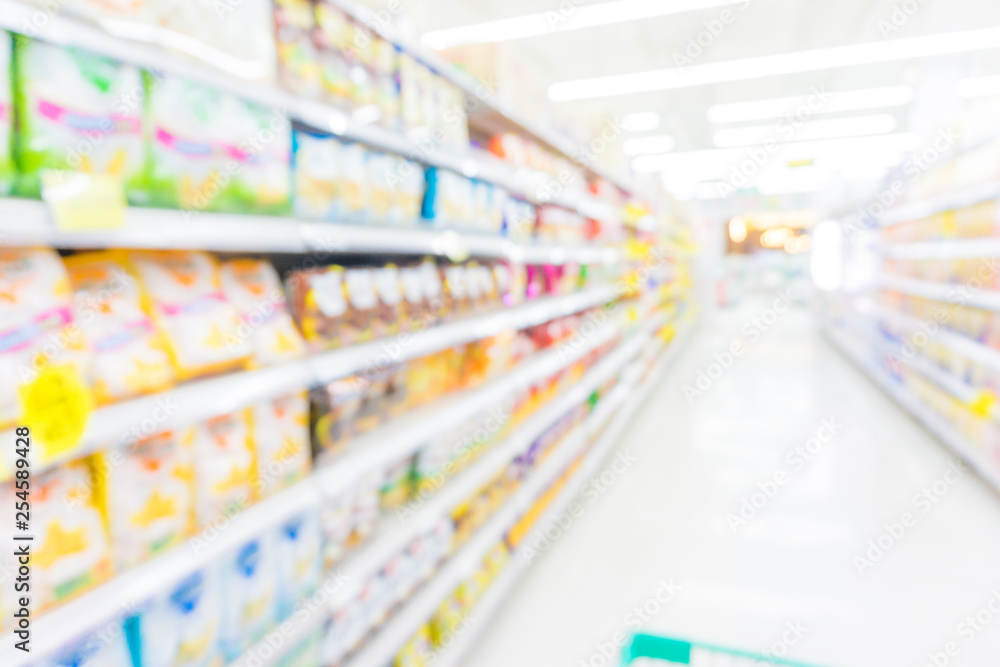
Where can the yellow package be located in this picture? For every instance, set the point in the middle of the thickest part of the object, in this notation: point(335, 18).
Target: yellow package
point(130, 354)
point(36, 324)
point(254, 289)
point(70, 552)
point(144, 491)
point(416, 651)
point(184, 295)
point(222, 455)
point(281, 442)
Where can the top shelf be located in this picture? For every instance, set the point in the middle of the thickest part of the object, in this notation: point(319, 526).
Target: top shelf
point(534, 187)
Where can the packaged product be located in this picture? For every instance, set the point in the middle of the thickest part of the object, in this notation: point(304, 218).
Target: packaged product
point(107, 647)
point(180, 626)
point(415, 309)
point(388, 287)
point(333, 307)
point(318, 191)
point(211, 151)
point(36, 324)
point(367, 500)
point(248, 584)
point(223, 458)
point(76, 111)
point(281, 442)
point(298, 551)
point(336, 516)
point(438, 302)
point(335, 409)
point(144, 492)
point(130, 355)
point(185, 297)
point(356, 174)
point(397, 485)
point(298, 60)
point(252, 286)
point(71, 551)
point(458, 293)
point(417, 651)
point(375, 319)
point(6, 115)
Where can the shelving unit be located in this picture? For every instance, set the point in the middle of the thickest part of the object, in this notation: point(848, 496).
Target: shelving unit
point(949, 249)
point(949, 202)
point(202, 399)
point(944, 292)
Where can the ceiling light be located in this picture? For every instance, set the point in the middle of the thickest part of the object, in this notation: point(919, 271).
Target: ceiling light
point(659, 144)
point(819, 102)
point(838, 128)
point(640, 121)
point(569, 16)
point(836, 57)
point(983, 86)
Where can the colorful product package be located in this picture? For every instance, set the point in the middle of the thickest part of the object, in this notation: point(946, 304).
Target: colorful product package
point(388, 289)
point(211, 151)
point(105, 648)
point(281, 442)
point(71, 552)
point(335, 410)
point(254, 289)
point(299, 558)
point(248, 580)
point(36, 324)
point(144, 492)
point(298, 61)
point(6, 115)
point(180, 626)
point(319, 304)
point(185, 297)
point(318, 190)
point(222, 453)
point(76, 111)
point(130, 355)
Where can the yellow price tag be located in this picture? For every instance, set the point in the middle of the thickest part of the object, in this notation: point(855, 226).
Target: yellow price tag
point(57, 405)
point(82, 202)
point(983, 404)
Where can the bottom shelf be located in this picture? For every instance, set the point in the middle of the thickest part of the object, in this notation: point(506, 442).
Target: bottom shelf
point(909, 402)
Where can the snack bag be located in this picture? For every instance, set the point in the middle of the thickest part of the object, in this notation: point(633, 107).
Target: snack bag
point(79, 112)
point(336, 407)
point(320, 306)
point(189, 306)
point(299, 560)
point(180, 627)
point(212, 151)
point(71, 551)
point(415, 311)
point(6, 115)
point(107, 647)
point(458, 290)
point(130, 354)
point(439, 305)
point(318, 190)
point(222, 454)
point(390, 295)
point(254, 289)
point(249, 596)
point(298, 61)
point(368, 318)
point(36, 324)
point(281, 442)
point(144, 492)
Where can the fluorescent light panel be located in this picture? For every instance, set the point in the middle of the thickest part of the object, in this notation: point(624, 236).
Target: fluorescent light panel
point(659, 144)
point(838, 128)
point(640, 121)
point(836, 57)
point(558, 20)
point(855, 100)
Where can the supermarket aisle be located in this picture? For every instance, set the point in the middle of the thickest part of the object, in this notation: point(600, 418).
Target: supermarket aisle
point(799, 576)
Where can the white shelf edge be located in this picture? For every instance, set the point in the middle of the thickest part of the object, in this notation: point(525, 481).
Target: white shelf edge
point(945, 249)
point(68, 31)
point(962, 199)
point(944, 432)
point(202, 399)
point(944, 292)
point(27, 222)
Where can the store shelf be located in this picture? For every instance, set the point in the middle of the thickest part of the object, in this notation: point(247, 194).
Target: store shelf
point(120, 40)
point(918, 410)
point(944, 249)
point(502, 586)
point(26, 222)
point(109, 601)
point(957, 343)
point(950, 202)
point(196, 401)
point(944, 292)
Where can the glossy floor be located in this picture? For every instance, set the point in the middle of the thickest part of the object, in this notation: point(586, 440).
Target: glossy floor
point(669, 538)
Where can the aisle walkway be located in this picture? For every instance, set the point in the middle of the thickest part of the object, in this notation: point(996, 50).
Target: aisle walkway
point(799, 576)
